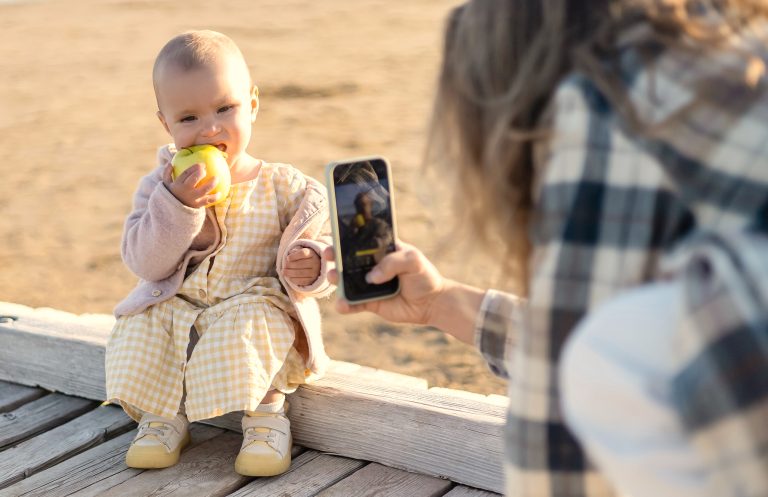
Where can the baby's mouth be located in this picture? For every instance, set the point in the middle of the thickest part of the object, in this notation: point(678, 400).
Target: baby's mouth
point(222, 147)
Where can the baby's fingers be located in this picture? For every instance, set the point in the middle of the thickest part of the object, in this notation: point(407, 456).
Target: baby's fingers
point(168, 175)
point(191, 176)
point(301, 254)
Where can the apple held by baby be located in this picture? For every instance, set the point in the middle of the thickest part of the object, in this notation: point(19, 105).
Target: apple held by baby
point(215, 162)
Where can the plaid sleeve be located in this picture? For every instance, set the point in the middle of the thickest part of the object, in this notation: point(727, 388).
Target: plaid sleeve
point(603, 210)
point(721, 390)
point(499, 319)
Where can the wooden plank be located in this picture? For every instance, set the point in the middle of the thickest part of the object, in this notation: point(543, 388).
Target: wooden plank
point(94, 471)
point(310, 473)
point(374, 374)
point(61, 443)
point(416, 430)
point(411, 429)
point(13, 396)
point(404, 427)
point(40, 415)
point(376, 480)
point(462, 491)
point(459, 393)
point(206, 470)
point(39, 353)
point(501, 400)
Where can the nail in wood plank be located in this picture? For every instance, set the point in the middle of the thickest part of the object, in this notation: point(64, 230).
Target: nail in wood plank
point(39, 415)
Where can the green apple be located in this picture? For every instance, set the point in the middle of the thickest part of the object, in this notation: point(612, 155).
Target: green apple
point(215, 162)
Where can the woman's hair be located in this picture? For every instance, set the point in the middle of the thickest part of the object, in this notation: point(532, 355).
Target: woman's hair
point(503, 60)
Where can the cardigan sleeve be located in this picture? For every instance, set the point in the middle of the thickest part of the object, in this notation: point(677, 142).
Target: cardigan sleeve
point(159, 230)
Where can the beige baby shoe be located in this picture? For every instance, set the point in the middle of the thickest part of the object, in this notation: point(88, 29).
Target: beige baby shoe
point(266, 449)
point(159, 442)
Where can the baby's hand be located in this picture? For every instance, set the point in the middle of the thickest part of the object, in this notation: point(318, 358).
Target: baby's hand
point(302, 266)
point(186, 188)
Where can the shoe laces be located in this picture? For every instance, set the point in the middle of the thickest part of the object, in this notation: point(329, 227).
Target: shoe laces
point(156, 429)
point(262, 434)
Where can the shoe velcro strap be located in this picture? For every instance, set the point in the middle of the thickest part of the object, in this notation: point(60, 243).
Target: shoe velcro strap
point(276, 423)
point(177, 424)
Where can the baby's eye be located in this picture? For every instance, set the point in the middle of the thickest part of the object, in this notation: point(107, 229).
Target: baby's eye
point(187, 119)
point(225, 108)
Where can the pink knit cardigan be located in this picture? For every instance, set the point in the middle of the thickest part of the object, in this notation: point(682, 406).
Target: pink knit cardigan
point(160, 230)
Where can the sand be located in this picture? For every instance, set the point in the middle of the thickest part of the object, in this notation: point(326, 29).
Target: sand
point(337, 78)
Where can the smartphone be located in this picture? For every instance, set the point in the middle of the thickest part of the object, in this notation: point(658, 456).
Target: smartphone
point(363, 222)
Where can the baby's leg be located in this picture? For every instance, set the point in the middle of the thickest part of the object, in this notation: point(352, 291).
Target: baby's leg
point(142, 363)
point(267, 441)
point(159, 441)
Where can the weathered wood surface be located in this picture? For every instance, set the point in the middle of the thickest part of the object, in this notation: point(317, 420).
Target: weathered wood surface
point(39, 415)
point(376, 480)
point(95, 471)
point(205, 469)
point(377, 416)
point(415, 430)
point(310, 473)
point(61, 442)
point(12, 395)
point(462, 491)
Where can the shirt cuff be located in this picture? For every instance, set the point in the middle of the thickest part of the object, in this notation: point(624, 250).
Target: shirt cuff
point(496, 328)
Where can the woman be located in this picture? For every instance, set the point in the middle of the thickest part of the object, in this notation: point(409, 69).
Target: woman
point(609, 131)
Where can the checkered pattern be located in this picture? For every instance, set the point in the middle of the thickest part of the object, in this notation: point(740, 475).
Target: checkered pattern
point(235, 302)
point(721, 390)
point(608, 204)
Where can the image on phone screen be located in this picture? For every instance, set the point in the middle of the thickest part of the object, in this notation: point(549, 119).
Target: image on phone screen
point(365, 225)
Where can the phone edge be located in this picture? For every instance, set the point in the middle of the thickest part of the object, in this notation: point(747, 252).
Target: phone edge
point(335, 220)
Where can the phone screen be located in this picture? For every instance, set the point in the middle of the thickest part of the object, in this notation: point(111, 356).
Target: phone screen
point(366, 232)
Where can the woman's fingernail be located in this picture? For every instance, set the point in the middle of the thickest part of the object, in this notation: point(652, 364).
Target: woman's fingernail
point(372, 276)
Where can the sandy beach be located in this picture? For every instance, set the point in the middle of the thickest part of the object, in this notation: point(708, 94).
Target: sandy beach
point(337, 79)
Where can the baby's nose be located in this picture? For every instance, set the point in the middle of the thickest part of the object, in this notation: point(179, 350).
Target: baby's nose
point(211, 127)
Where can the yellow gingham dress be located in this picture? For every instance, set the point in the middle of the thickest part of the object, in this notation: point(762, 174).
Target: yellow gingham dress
point(238, 308)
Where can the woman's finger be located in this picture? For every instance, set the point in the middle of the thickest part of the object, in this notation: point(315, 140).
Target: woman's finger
point(403, 261)
point(328, 254)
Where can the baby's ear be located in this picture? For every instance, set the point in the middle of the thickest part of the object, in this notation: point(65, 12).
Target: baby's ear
point(254, 102)
point(162, 120)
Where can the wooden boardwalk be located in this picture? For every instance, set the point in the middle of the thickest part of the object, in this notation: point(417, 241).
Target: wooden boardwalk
point(358, 431)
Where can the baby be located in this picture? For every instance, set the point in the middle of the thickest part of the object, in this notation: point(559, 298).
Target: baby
point(224, 317)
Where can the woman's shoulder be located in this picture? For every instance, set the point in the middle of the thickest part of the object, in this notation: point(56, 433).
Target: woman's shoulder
point(651, 83)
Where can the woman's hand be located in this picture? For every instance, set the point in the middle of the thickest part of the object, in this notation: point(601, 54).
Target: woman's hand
point(425, 297)
point(188, 187)
point(420, 285)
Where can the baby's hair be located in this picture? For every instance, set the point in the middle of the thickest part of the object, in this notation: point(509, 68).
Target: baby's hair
point(194, 49)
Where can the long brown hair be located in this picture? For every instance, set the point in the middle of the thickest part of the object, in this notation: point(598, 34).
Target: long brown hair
point(503, 60)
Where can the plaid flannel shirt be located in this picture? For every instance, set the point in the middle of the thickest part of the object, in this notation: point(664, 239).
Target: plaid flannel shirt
point(721, 388)
point(608, 205)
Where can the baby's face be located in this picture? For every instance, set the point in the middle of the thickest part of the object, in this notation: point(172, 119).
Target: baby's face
point(211, 105)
